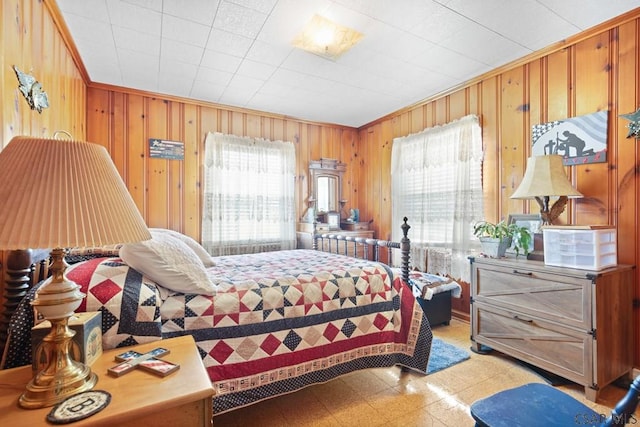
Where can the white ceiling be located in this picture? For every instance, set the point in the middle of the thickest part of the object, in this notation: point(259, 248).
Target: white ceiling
point(239, 52)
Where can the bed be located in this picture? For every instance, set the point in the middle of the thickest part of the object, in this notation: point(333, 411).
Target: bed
point(274, 323)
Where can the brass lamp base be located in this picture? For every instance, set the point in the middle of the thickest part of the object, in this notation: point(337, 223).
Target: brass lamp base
point(62, 376)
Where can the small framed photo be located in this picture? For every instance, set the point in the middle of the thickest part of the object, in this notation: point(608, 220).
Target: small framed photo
point(333, 220)
point(532, 222)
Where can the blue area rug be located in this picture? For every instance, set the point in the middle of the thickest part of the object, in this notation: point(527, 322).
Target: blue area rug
point(444, 355)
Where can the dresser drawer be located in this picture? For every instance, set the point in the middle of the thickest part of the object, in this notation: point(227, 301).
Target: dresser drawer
point(354, 226)
point(553, 297)
point(545, 344)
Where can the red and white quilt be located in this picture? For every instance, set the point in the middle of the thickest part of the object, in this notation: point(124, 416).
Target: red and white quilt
point(283, 320)
point(279, 321)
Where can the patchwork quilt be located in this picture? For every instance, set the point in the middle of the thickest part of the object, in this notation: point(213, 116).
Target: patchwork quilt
point(128, 301)
point(278, 322)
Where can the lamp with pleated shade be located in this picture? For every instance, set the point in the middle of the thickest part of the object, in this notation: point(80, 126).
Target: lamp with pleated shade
point(60, 194)
point(545, 178)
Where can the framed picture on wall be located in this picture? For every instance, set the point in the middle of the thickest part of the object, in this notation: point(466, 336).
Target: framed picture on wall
point(531, 222)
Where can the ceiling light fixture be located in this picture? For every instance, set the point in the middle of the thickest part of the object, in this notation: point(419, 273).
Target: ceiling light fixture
point(327, 39)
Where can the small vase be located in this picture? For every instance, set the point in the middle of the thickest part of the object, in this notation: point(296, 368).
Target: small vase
point(494, 247)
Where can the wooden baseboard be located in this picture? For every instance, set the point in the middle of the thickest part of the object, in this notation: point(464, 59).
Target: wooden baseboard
point(460, 315)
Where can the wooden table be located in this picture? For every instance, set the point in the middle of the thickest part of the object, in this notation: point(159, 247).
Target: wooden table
point(138, 398)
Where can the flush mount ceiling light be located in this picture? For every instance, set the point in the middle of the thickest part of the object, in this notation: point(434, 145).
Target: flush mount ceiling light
point(326, 39)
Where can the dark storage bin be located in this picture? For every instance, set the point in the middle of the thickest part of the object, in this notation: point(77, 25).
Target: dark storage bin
point(438, 308)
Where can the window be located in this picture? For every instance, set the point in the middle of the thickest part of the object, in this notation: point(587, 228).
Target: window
point(248, 195)
point(437, 184)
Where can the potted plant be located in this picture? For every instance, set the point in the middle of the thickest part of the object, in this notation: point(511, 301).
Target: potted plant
point(497, 238)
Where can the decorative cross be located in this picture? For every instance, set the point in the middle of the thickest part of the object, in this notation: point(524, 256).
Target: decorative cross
point(149, 361)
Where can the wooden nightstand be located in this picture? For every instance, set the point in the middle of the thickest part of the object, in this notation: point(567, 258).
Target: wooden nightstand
point(138, 398)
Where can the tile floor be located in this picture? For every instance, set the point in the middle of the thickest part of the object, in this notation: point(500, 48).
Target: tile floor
point(390, 397)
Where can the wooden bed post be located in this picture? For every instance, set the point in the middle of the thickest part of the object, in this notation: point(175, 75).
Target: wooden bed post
point(314, 237)
point(17, 284)
point(25, 268)
point(405, 246)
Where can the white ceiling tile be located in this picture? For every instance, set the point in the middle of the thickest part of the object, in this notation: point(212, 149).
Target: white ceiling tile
point(488, 47)
point(540, 29)
point(272, 88)
point(102, 65)
point(169, 84)
point(207, 91)
point(239, 97)
point(184, 31)
point(240, 20)
point(200, 11)
point(129, 39)
point(154, 5)
point(440, 24)
point(137, 18)
point(587, 13)
point(136, 63)
point(211, 75)
point(268, 53)
point(220, 61)
point(264, 6)
point(140, 80)
point(181, 52)
point(239, 52)
point(289, 18)
point(94, 9)
point(89, 29)
point(179, 70)
point(255, 69)
point(229, 43)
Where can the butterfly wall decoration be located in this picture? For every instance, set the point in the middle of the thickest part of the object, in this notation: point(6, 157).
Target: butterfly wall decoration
point(32, 91)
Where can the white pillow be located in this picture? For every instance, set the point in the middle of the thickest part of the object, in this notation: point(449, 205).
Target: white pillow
point(194, 245)
point(170, 263)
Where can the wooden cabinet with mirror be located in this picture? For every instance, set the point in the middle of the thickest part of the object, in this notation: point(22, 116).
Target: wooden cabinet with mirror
point(326, 205)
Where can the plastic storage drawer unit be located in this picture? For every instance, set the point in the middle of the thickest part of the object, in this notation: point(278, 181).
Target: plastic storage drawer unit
point(580, 248)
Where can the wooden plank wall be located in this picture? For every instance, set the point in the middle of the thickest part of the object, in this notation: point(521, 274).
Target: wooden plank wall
point(597, 70)
point(31, 41)
point(168, 192)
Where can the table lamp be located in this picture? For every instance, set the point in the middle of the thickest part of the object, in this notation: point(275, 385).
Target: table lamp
point(545, 178)
point(60, 194)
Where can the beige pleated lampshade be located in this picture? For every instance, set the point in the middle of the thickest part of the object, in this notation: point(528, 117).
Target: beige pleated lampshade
point(61, 194)
point(545, 176)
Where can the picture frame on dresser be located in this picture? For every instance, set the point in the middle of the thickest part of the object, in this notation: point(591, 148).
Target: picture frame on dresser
point(333, 220)
point(532, 222)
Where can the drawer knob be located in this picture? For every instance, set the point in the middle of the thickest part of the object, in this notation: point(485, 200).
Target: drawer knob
point(528, 273)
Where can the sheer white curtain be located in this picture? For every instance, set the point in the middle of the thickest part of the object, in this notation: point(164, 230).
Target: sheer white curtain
point(436, 180)
point(248, 195)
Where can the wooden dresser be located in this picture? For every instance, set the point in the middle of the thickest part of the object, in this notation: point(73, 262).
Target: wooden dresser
point(574, 323)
